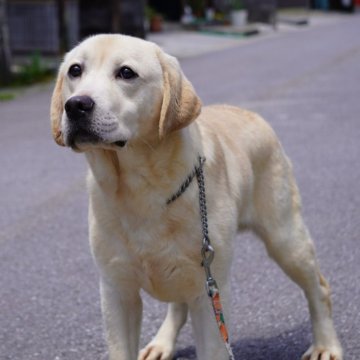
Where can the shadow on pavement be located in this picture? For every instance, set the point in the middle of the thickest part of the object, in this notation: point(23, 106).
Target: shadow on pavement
point(289, 345)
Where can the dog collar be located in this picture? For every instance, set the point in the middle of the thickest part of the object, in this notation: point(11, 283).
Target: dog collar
point(188, 180)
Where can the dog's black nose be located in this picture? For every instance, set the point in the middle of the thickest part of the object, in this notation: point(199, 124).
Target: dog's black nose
point(79, 106)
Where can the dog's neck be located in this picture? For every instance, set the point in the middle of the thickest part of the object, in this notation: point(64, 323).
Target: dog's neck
point(144, 167)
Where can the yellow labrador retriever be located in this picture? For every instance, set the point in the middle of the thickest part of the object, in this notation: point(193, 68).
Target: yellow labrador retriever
point(128, 106)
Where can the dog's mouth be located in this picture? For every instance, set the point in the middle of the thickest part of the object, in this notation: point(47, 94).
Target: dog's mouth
point(83, 138)
point(120, 143)
point(83, 144)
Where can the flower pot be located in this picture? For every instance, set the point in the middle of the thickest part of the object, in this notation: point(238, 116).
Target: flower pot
point(238, 18)
point(156, 23)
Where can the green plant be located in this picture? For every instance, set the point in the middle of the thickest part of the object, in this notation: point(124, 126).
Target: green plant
point(150, 12)
point(6, 96)
point(237, 5)
point(34, 71)
point(198, 7)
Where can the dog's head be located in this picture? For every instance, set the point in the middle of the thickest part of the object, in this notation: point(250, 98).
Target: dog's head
point(112, 89)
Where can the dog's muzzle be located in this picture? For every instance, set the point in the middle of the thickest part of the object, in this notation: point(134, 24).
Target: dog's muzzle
point(79, 111)
point(81, 128)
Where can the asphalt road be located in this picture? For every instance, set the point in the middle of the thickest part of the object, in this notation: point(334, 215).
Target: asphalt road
point(306, 83)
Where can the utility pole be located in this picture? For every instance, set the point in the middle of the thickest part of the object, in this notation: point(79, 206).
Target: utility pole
point(5, 54)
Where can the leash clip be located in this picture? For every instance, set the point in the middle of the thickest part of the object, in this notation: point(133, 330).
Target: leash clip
point(207, 253)
point(211, 287)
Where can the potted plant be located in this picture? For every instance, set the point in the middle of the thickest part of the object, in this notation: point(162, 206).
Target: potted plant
point(155, 20)
point(238, 13)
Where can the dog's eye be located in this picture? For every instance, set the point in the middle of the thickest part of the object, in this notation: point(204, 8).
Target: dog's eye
point(126, 73)
point(75, 70)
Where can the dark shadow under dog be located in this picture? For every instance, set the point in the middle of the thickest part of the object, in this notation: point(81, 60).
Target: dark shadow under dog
point(289, 345)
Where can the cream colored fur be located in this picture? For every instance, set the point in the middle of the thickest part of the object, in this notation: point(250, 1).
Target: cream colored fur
point(139, 242)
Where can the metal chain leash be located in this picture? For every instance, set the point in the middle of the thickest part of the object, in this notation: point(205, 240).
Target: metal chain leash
point(207, 253)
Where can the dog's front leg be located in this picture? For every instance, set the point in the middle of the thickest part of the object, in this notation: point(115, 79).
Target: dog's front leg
point(209, 344)
point(163, 345)
point(122, 311)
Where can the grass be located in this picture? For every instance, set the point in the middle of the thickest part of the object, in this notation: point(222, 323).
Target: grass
point(7, 96)
point(33, 72)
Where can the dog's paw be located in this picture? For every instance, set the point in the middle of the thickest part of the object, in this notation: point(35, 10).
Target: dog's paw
point(323, 353)
point(156, 351)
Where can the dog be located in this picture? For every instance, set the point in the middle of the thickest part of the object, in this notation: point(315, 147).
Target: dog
point(129, 108)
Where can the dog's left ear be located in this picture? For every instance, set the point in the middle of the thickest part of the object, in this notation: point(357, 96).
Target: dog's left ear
point(56, 110)
point(180, 105)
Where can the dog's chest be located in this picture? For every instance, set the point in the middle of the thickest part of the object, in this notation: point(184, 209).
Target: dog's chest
point(169, 259)
point(158, 248)
point(153, 245)
point(170, 276)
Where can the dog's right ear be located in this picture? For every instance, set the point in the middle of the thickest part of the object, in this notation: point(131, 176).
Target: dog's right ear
point(56, 110)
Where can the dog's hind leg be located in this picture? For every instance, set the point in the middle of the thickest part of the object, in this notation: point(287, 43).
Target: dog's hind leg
point(279, 223)
point(163, 344)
